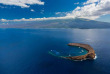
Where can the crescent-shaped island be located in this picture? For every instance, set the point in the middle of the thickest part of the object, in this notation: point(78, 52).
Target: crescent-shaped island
point(89, 55)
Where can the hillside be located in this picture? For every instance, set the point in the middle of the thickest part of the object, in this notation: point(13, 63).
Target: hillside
point(62, 23)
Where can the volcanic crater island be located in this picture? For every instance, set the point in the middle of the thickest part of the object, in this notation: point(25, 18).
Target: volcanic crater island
point(90, 54)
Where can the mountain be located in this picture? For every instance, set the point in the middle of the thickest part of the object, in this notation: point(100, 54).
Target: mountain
point(61, 23)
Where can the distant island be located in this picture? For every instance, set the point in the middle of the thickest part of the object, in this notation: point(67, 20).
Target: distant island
point(77, 23)
point(89, 55)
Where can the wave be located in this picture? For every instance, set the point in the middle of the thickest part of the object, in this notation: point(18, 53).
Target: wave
point(95, 57)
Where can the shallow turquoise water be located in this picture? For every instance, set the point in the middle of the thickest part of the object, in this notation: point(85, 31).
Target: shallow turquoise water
point(69, 51)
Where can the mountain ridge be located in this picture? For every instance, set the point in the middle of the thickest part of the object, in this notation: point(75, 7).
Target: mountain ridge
point(58, 23)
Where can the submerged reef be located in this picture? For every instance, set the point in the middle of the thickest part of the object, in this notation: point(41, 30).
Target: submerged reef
point(89, 55)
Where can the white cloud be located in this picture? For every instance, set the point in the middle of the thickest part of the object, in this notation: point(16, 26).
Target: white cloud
point(3, 20)
point(61, 14)
point(58, 13)
point(76, 3)
point(92, 9)
point(42, 11)
point(35, 19)
point(21, 3)
point(32, 10)
point(91, 1)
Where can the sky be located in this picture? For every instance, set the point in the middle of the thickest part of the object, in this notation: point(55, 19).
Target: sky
point(32, 10)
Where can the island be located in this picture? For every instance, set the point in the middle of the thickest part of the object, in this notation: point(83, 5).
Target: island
point(89, 55)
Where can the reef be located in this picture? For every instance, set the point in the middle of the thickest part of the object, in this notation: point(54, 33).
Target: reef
point(89, 55)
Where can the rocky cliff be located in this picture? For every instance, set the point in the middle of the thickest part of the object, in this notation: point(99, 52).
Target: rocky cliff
point(89, 55)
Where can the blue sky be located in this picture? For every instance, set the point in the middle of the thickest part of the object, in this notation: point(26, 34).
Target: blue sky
point(18, 9)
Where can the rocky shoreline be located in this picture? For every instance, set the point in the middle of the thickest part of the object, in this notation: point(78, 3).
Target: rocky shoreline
point(89, 55)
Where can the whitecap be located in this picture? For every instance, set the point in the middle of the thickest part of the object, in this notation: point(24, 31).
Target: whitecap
point(95, 56)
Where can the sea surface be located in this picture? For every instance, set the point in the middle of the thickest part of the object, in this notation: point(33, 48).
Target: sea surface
point(26, 51)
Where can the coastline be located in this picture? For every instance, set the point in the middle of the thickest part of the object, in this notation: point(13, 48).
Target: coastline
point(90, 55)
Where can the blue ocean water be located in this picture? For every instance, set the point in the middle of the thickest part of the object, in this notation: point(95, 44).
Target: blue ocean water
point(25, 51)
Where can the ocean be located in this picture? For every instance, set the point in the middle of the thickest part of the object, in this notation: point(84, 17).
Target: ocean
point(26, 51)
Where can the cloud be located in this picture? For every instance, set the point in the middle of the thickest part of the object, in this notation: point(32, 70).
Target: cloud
point(32, 10)
point(61, 14)
point(76, 3)
point(35, 19)
point(58, 13)
point(92, 9)
point(91, 1)
point(42, 11)
point(21, 3)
